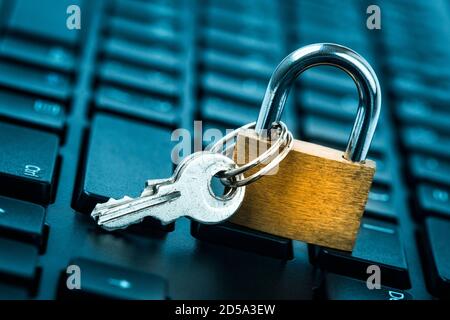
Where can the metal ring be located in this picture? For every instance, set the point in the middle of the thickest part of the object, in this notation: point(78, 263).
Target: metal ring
point(283, 136)
point(284, 139)
point(258, 175)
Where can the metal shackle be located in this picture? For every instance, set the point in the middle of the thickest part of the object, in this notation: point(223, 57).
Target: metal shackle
point(338, 56)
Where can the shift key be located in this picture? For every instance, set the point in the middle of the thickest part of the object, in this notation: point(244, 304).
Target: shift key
point(28, 163)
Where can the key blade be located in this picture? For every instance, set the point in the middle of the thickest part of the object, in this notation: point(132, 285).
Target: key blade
point(111, 203)
point(133, 212)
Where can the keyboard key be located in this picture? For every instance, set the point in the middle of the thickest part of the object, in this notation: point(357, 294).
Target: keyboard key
point(240, 64)
point(246, 24)
point(241, 238)
point(18, 262)
point(383, 173)
point(426, 140)
point(143, 10)
point(49, 83)
point(106, 281)
point(336, 134)
point(250, 90)
point(438, 255)
point(142, 31)
point(403, 64)
point(54, 57)
point(227, 111)
point(137, 104)
point(379, 203)
point(148, 156)
point(338, 287)
point(163, 16)
point(343, 106)
point(40, 18)
point(421, 113)
point(39, 112)
point(22, 220)
point(138, 77)
point(28, 165)
point(415, 86)
point(378, 243)
point(430, 169)
point(252, 8)
point(230, 41)
point(432, 199)
point(328, 79)
point(152, 55)
point(10, 292)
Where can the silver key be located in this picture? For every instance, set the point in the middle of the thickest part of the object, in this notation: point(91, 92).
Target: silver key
point(187, 193)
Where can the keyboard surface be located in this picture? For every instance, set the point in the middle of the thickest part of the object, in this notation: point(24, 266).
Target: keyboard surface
point(88, 114)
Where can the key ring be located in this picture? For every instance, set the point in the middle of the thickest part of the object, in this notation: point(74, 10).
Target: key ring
point(284, 140)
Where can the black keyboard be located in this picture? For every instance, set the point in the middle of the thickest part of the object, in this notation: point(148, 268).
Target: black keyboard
point(88, 114)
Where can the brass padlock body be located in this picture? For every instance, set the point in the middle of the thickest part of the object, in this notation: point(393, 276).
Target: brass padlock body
point(316, 195)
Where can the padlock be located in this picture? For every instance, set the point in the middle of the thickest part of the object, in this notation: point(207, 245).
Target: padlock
point(318, 194)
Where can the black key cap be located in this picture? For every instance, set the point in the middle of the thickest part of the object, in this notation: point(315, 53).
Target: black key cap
point(241, 238)
point(39, 112)
point(320, 130)
point(152, 55)
point(426, 140)
point(266, 8)
point(18, 262)
point(421, 113)
point(227, 110)
point(338, 287)
point(137, 104)
point(246, 89)
point(419, 88)
point(11, 292)
point(430, 169)
point(41, 18)
point(383, 173)
point(341, 106)
point(106, 281)
point(405, 64)
point(328, 80)
point(148, 156)
point(378, 243)
point(22, 220)
point(54, 57)
point(241, 64)
point(142, 31)
point(433, 199)
point(231, 41)
point(438, 255)
point(249, 25)
point(53, 84)
point(29, 161)
point(139, 77)
point(143, 10)
point(379, 203)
